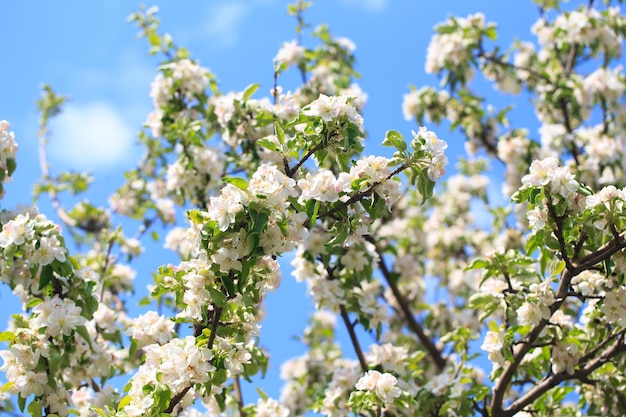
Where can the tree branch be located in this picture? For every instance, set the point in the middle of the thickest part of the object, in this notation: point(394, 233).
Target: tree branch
point(361, 194)
point(413, 325)
point(550, 382)
point(217, 313)
point(45, 173)
point(353, 338)
point(350, 327)
point(238, 396)
point(522, 349)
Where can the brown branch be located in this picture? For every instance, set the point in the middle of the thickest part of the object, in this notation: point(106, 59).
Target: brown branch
point(579, 245)
point(568, 127)
point(353, 338)
point(349, 326)
point(292, 171)
point(413, 325)
point(361, 194)
point(550, 382)
point(214, 325)
point(558, 220)
point(585, 263)
point(217, 313)
point(571, 60)
point(507, 375)
point(602, 253)
point(239, 396)
point(176, 399)
point(492, 58)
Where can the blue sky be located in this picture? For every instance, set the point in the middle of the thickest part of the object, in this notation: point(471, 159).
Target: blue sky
point(87, 51)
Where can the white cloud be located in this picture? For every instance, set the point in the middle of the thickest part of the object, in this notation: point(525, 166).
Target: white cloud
point(224, 23)
point(127, 81)
point(369, 5)
point(92, 136)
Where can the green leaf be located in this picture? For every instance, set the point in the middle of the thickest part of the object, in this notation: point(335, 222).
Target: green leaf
point(219, 377)
point(493, 326)
point(555, 267)
point(316, 209)
point(478, 263)
point(54, 361)
point(45, 277)
point(34, 408)
point(98, 410)
point(91, 305)
point(533, 242)
point(33, 302)
point(488, 310)
point(153, 38)
point(339, 237)
point(550, 241)
point(249, 91)
point(123, 403)
point(267, 144)
point(52, 382)
point(491, 33)
point(11, 165)
point(280, 133)
point(132, 349)
point(228, 284)
point(21, 403)
point(238, 182)
point(253, 242)
point(82, 331)
point(477, 300)
point(259, 221)
point(218, 297)
point(425, 186)
point(162, 395)
point(7, 337)
point(7, 386)
point(262, 394)
point(64, 269)
point(395, 139)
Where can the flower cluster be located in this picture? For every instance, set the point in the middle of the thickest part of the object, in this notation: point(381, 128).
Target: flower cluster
point(171, 367)
point(151, 328)
point(384, 385)
point(332, 108)
point(372, 171)
point(290, 53)
point(453, 48)
point(417, 272)
point(179, 180)
point(436, 147)
point(29, 241)
point(178, 80)
point(184, 76)
point(586, 26)
point(8, 151)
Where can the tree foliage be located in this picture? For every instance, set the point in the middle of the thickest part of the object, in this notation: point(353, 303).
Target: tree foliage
point(542, 290)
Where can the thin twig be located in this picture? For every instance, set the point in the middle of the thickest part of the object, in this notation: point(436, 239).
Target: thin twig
point(217, 313)
point(549, 382)
point(353, 338)
point(292, 171)
point(601, 254)
point(239, 396)
point(414, 326)
point(45, 173)
point(361, 194)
